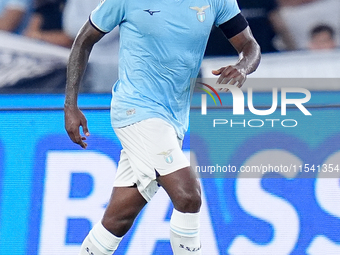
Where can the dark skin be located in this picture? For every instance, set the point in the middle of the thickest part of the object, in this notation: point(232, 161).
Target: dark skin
point(182, 185)
point(249, 59)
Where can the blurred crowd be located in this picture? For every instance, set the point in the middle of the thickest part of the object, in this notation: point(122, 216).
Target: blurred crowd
point(286, 25)
point(278, 25)
point(58, 22)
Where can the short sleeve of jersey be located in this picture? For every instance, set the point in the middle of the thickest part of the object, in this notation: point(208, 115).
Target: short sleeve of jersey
point(225, 10)
point(108, 15)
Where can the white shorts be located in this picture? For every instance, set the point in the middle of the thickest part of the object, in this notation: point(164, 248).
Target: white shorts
point(148, 146)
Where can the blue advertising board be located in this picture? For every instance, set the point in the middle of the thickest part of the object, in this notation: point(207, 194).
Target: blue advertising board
point(52, 192)
point(1, 173)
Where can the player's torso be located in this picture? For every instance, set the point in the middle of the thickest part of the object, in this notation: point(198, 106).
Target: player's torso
point(178, 24)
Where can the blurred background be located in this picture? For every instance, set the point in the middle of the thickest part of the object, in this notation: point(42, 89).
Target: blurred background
point(299, 38)
point(51, 192)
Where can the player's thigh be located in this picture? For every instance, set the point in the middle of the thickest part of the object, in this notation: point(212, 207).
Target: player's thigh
point(150, 148)
point(183, 188)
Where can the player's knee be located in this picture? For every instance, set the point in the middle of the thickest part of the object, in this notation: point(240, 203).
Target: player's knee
point(117, 226)
point(189, 201)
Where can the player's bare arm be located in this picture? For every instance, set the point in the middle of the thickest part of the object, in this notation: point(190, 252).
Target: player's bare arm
point(249, 59)
point(76, 66)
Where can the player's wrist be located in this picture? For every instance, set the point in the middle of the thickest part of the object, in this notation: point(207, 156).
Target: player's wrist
point(70, 101)
point(70, 106)
point(241, 68)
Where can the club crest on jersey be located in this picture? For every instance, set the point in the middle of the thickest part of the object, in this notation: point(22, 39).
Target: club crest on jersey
point(200, 12)
point(167, 156)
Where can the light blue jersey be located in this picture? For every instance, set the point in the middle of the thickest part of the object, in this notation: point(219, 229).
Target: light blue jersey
point(162, 43)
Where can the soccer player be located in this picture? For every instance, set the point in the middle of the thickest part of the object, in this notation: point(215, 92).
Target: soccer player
point(161, 48)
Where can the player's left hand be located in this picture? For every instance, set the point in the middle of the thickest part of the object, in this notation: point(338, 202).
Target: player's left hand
point(232, 75)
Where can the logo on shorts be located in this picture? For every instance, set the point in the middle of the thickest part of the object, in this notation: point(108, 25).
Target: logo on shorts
point(167, 156)
point(200, 12)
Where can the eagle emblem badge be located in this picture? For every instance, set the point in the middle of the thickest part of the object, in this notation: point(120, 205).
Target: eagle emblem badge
point(167, 156)
point(200, 12)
